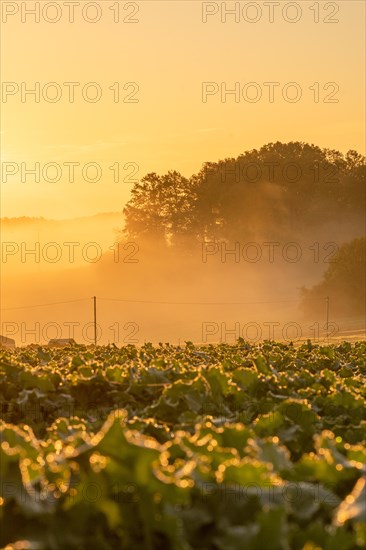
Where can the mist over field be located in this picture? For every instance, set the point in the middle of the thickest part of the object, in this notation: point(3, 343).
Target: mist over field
point(157, 278)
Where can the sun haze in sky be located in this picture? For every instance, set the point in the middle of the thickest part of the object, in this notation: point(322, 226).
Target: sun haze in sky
point(129, 88)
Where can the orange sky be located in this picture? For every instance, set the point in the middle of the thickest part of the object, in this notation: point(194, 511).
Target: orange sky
point(169, 53)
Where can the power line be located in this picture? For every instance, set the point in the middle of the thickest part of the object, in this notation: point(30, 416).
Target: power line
point(196, 303)
point(44, 305)
point(154, 302)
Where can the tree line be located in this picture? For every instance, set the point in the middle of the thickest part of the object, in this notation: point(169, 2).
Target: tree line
point(278, 190)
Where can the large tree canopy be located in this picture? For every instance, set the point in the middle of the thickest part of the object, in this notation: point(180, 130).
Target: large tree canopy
point(276, 191)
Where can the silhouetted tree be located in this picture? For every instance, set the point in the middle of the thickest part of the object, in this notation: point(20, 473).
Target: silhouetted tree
point(276, 191)
point(343, 282)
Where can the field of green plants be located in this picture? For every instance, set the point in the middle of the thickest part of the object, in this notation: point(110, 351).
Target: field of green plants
point(216, 447)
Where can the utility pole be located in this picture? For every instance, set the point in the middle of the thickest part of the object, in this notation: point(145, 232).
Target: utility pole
point(327, 315)
point(95, 319)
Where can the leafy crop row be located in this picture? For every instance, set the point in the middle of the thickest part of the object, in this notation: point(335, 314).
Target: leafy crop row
point(219, 447)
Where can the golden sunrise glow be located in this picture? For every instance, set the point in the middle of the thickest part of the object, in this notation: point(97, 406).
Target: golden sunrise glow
point(169, 52)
